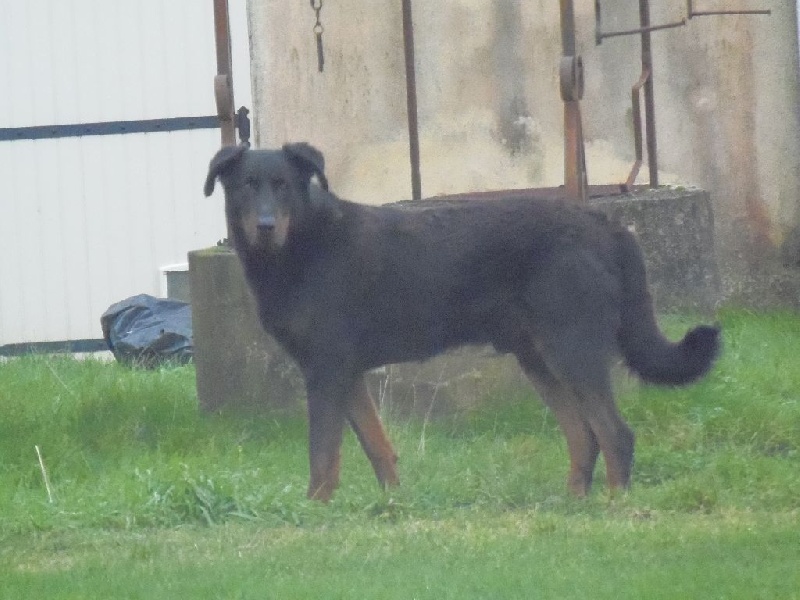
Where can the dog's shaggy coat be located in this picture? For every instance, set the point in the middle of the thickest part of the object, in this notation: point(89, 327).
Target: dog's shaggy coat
point(345, 288)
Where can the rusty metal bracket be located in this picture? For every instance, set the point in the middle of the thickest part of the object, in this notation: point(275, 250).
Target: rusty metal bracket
point(644, 86)
point(691, 12)
point(570, 73)
point(646, 79)
point(636, 92)
point(600, 35)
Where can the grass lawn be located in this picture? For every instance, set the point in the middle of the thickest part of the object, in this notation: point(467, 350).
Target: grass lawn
point(151, 499)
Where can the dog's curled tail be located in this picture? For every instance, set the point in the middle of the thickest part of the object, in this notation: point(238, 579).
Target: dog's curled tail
point(647, 352)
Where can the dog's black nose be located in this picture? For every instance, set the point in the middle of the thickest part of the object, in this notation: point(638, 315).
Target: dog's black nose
point(266, 222)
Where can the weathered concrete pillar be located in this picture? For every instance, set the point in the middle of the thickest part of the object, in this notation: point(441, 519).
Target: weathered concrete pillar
point(675, 227)
point(237, 364)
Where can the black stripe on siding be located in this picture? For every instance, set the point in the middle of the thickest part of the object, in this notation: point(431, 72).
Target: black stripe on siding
point(62, 347)
point(42, 132)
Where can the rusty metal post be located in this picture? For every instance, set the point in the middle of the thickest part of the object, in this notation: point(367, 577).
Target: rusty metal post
point(691, 12)
point(636, 92)
point(571, 78)
point(223, 82)
point(411, 100)
point(649, 98)
point(645, 82)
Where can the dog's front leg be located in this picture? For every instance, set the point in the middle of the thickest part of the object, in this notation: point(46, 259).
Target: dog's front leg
point(363, 418)
point(326, 417)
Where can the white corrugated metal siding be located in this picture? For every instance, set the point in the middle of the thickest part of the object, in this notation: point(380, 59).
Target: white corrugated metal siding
point(88, 221)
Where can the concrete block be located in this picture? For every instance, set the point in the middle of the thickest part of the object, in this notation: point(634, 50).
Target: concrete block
point(675, 227)
point(238, 365)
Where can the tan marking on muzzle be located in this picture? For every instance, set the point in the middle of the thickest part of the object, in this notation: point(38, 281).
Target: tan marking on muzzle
point(250, 228)
point(277, 236)
point(280, 233)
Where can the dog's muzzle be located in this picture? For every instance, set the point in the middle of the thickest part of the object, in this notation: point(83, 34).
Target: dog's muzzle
point(266, 222)
point(267, 229)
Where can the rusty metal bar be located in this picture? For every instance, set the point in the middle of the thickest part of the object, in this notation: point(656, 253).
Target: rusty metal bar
point(600, 35)
point(567, 28)
point(223, 82)
point(636, 92)
point(411, 100)
point(707, 13)
point(642, 87)
point(571, 81)
point(649, 96)
point(646, 80)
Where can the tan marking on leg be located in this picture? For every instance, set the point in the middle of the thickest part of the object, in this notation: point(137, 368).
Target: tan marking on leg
point(581, 441)
point(365, 421)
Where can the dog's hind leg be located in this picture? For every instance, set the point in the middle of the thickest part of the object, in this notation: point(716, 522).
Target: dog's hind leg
point(614, 436)
point(586, 372)
point(574, 315)
point(363, 418)
point(581, 440)
point(326, 417)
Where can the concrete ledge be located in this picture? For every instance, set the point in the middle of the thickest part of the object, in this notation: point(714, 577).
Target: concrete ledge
point(456, 382)
point(239, 366)
point(675, 227)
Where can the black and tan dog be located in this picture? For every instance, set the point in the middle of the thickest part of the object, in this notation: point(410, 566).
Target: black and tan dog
point(345, 288)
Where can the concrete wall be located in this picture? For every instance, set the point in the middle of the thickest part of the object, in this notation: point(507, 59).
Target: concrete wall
point(491, 116)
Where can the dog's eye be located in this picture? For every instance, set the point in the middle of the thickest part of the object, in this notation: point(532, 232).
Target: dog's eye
point(251, 182)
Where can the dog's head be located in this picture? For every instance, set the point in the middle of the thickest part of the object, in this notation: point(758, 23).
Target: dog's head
point(265, 190)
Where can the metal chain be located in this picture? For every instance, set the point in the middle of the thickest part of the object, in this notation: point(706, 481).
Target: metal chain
point(318, 29)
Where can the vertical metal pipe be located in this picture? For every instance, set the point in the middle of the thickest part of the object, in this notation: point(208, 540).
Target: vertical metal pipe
point(223, 83)
point(571, 171)
point(411, 100)
point(571, 79)
point(649, 99)
point(222, 36)
point(567, 28)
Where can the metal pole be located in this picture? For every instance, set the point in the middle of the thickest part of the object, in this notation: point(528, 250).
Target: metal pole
point(649, 98)
point(567, 28)
point(411, 100)
point(223, 82)
point(571, 80)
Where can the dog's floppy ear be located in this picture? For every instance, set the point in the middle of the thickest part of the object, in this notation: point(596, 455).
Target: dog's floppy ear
point(222, 160)
point(308, 160)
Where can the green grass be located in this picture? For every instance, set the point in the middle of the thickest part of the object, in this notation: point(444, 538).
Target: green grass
point(152, 499)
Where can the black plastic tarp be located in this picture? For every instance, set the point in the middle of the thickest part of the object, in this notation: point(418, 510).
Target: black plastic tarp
point(147, 331)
